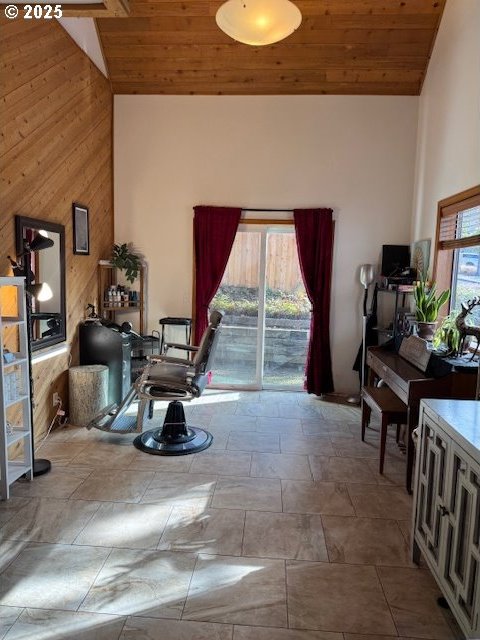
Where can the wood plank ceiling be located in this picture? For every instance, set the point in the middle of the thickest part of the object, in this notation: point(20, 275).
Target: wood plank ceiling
point(379, 47)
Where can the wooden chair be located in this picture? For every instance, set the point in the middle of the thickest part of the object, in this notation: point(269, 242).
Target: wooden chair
point(391, 409)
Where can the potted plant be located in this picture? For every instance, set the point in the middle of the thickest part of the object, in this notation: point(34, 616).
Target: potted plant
point(447, 335)
point(428, 305)
point(124, 260)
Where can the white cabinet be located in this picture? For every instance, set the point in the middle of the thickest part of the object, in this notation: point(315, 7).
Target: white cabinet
point(447, 504)
point(14, 386)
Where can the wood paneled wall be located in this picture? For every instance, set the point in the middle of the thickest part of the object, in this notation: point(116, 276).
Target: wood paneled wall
point(56, 148)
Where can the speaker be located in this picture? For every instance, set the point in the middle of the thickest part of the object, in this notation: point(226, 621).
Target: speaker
point(395, 259)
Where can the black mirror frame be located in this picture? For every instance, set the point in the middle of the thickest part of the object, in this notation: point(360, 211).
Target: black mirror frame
point(21, 222)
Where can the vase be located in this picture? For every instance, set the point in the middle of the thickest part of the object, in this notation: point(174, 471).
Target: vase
point(426, 330)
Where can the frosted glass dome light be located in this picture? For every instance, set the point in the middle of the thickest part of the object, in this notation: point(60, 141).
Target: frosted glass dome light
point(258, 22)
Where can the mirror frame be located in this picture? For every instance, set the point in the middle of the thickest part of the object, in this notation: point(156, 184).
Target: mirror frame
point(22, 222)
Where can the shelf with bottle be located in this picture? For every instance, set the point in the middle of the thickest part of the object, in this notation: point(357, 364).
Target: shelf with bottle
point(120, 297)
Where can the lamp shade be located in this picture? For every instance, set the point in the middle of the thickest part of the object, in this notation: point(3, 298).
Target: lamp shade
point(367, 274)
point(41, 242)
point(41, 291)
point(258, 22)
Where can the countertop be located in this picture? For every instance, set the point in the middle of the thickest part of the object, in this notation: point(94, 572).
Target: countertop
point(461, 415)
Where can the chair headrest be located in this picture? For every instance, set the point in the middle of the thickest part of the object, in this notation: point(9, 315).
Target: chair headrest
point(206, 348)
point(216, 317)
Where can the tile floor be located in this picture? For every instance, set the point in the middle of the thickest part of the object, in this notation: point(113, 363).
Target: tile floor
point(282, 530)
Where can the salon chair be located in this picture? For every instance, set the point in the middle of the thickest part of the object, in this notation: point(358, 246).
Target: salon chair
point(177, 380)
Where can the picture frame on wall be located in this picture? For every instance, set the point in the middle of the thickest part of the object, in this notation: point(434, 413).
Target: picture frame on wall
point(81, 237)
point(420, 253)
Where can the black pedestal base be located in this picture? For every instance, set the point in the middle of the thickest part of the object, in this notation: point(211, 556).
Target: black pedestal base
point(175, 438)
point(41, 466)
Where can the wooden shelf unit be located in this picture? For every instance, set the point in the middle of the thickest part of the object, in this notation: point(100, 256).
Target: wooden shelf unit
point(108, 275)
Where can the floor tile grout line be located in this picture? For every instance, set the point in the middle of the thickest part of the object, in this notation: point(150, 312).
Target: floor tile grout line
point(96, 576)
point(147, 487)
point(242, 546)
point(286, 593)
point(88, 522)
point(123, 627)
point(92, 470)
point(22, 610)
point(386, 599)
point(325, 538)
point(197, 558)
point(170, 513)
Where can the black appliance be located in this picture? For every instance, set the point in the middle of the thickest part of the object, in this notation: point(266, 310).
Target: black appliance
point(100, 344)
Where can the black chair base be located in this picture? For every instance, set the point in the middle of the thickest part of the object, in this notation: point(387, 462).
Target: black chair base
point(175, 438)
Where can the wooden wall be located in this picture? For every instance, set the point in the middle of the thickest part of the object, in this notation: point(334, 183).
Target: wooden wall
point(56, 148)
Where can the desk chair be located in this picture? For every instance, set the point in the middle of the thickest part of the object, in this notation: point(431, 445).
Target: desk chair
point(178, 380)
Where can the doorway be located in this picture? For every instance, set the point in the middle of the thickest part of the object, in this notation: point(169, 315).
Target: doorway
point(265, 332)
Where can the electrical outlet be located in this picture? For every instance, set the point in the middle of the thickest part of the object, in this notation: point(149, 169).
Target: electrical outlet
point(56, 400)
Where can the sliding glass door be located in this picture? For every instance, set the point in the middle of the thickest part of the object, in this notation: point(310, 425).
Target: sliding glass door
point(265, 332)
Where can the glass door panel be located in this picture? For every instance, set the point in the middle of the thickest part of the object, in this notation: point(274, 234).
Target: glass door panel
point(236, 359)
point(287, 314)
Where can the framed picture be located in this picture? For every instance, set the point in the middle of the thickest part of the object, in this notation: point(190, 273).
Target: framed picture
point(81, 240)
point(421, 257)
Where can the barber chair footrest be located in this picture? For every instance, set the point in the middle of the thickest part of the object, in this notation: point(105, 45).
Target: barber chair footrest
point(158, 443)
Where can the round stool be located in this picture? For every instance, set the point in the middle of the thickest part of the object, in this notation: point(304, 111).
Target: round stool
point(88, 391)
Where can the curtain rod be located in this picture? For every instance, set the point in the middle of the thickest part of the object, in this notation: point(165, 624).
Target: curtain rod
point(271, 210)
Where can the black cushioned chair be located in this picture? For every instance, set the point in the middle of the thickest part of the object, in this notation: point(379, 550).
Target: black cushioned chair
point(177, 379)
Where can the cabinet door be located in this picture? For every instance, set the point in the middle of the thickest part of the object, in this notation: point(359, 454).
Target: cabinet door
point(431, 490)
point(461, 569)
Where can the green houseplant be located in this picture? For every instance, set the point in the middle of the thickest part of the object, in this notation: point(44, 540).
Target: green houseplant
point(447, 336)
point(428, 304)
point(124, 260)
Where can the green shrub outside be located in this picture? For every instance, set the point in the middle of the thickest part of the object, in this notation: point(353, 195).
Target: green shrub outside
point(243, 301)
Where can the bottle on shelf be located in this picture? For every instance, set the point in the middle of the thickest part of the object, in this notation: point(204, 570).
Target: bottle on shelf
point(117, 298)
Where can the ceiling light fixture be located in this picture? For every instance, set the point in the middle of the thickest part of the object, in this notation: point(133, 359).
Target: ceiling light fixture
point(258, 22)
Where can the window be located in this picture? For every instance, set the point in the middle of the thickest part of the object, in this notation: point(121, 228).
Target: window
point(457, 255)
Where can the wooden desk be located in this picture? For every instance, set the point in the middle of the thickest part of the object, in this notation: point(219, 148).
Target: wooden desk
point(411, 385)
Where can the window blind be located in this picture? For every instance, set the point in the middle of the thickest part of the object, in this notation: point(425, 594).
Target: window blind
point(459, 224)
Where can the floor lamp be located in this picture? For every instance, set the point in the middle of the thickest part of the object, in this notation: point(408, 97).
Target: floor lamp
point(39, 243)
point(367, 276)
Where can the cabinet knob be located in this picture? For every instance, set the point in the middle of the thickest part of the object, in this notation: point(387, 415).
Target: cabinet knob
point(444, 511)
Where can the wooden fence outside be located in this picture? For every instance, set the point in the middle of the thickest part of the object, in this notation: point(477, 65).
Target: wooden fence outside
point(283, 269)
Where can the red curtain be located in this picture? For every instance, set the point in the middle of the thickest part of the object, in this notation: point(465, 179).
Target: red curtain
point(214, 232)
point(314, 233)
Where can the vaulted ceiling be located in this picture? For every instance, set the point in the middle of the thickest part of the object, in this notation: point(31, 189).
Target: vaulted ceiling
point(379, 47)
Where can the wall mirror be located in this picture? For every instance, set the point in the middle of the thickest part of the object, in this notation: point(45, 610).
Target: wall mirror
point(47, 267)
